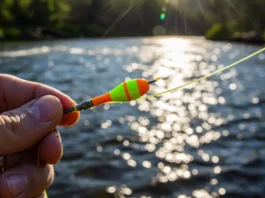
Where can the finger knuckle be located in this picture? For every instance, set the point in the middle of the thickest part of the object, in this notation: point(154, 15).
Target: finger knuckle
point(10, 124)
point(10, 120)
point(6, 126)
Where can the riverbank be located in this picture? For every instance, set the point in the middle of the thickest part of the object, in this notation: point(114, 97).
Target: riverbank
point(44, 34)
point(252, 37)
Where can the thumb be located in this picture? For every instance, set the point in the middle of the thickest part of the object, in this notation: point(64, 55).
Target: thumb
point(23, 127)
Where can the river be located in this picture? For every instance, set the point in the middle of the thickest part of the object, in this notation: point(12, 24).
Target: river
point(204, 141)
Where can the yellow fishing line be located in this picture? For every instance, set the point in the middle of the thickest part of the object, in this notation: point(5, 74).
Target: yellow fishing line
point(198, 79)
point(45, 194)
point(121, 93)
point(205, 77)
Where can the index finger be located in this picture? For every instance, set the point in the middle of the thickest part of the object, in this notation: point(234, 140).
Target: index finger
point(14, 92)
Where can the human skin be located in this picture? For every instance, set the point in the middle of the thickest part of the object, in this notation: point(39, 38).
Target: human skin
point(29, 140)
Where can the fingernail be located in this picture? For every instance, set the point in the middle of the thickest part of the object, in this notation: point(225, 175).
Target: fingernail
point(17, 184)
point(56, 133)
point(45, 109)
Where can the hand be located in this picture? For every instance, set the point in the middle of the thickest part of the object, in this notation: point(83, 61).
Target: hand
point(29, 114)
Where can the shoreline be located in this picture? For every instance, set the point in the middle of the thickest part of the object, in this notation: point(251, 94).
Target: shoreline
point(232, 40)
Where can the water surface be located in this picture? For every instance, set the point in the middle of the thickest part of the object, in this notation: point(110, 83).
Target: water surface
point(205, 141)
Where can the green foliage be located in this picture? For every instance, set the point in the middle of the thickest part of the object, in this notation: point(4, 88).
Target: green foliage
point(12, 33)
point(72, 29)
point(24, 5)
point(1, 32)
point(218, 31)
point(94, 30)
point(7, 16)
point(5, 11)
point(218, 19)
point(63, 8)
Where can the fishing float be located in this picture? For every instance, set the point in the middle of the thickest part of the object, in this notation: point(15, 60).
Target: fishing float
point(135, 89)
point(124, 92)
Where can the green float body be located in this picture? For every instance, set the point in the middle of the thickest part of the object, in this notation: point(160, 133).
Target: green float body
point(129, 90)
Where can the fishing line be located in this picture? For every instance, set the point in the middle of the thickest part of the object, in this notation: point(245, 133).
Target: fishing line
point(135, 89)
point(205, 77)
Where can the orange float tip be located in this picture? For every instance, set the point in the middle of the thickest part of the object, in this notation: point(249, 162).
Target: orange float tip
point(101, 99)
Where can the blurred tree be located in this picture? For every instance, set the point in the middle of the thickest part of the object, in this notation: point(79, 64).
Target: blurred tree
point(131, 17)
point(6, 15)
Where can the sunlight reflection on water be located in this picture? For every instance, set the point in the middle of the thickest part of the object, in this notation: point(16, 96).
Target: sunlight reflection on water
point(173, 134)
point(198, 142)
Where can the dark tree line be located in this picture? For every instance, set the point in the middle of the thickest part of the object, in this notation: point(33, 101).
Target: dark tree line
point(27, 19)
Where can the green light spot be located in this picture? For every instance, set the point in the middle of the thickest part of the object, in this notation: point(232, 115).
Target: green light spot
point(162, 16)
